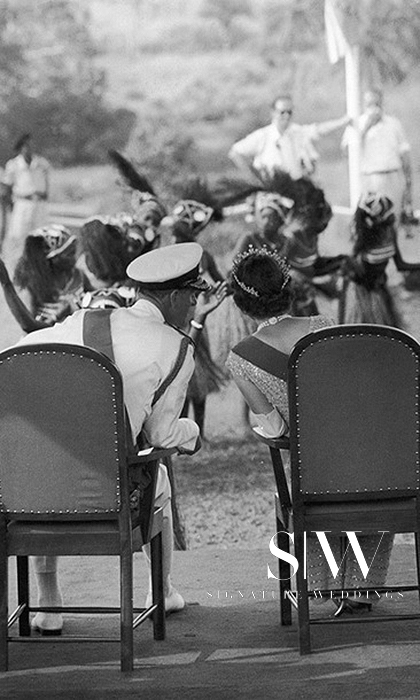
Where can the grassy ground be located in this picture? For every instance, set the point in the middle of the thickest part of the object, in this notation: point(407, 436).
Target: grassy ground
point(226, 494)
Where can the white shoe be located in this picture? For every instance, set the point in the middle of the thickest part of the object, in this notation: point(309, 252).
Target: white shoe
point(174, 601)
point(48, 624)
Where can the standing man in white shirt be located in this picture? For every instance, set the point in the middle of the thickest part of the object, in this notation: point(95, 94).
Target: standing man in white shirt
point(26, 182)
point(385, 154)
point(282, 144)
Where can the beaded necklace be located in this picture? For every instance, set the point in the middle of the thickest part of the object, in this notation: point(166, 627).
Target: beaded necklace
point(272, 321)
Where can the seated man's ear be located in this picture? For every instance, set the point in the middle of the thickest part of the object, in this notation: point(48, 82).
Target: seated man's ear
point(174, 296)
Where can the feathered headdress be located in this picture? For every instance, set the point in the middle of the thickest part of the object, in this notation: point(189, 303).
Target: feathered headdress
point(129, 174)
point(227, 191)
point(374, 225)
point(58, 238)
point(143, 194)
point(195, 208)
point(310, 207)
point(376, 209)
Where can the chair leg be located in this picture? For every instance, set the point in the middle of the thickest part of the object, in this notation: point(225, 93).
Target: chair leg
point(22, 564)
point(126, 597)
point(157, 587)
point(285, 583)
point(417, 543)
point(303, 600)
point(3, 596)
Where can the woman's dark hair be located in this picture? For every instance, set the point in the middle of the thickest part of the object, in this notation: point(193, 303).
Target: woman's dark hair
point(269, 281)
point(106, 251)
point(36, 273)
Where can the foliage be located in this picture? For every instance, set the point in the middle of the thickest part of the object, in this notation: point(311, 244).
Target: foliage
point(185, 36)
point(389, 39)
point(226, 11)
point(11, 56)
point(51, 87)
point(162, 149)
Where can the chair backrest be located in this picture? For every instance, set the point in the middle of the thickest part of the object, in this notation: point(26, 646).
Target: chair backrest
point(62, 432)
point(354, 413)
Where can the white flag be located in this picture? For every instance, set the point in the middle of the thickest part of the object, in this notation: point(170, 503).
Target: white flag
point(337, 45)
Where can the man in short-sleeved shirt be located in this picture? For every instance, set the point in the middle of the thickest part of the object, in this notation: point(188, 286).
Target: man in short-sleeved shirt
point(26, 176)
point(282, 144)
point(385, 153)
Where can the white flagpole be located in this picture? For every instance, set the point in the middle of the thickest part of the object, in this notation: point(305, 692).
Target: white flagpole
point(352, 73)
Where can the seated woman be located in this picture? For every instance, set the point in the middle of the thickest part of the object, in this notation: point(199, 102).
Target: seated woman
point(261, 285)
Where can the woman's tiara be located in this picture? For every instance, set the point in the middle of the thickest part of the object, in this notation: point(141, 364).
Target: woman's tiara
point(263, 252)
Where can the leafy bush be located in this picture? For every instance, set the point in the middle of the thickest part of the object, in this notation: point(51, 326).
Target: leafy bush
point(162, 149)
point(186, 37)
point(51, 87)
point(67, 129)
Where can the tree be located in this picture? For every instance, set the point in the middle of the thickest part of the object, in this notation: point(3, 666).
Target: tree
point(226, 10)
point(51, 86)
point(388, 32)
point(389, 39)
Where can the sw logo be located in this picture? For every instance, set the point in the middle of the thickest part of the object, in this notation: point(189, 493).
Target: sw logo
point(329, 556)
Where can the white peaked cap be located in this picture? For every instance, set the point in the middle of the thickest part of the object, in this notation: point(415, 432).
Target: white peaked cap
point(171, 267)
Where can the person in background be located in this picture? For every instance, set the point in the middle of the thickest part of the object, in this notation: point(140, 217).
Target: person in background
point(47, 285)
point(232, 325)
point(26, 183)
point(187, 219)
point(147, 208)
point(282, 145)
point(366, 296)
point(385, 154)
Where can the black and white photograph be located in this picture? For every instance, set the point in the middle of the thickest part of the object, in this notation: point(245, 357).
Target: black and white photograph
point(209, 349)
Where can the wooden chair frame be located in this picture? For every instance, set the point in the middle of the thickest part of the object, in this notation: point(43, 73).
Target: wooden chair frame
point(82, 533)
point(340, 511)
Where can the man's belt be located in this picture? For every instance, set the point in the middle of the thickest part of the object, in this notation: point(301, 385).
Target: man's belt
point(383, 172)
point(36, 197)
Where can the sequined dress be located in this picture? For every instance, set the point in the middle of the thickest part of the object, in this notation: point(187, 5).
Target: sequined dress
point(266, 368)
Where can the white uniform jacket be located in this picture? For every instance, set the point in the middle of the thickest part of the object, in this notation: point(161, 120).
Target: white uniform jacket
point(145, 350)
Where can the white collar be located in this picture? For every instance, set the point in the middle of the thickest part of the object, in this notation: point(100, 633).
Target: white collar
point(22, 160)
point(276, 133)
point(150, 307)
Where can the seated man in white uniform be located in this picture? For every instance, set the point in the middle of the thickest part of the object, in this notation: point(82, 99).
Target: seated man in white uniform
point(146, 345)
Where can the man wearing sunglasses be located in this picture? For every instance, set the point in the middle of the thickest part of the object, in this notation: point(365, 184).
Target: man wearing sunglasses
point(282, 144)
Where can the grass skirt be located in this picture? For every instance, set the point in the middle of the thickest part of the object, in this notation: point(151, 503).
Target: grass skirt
point(208, 377)
point(229, 327)
point(376, 306)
